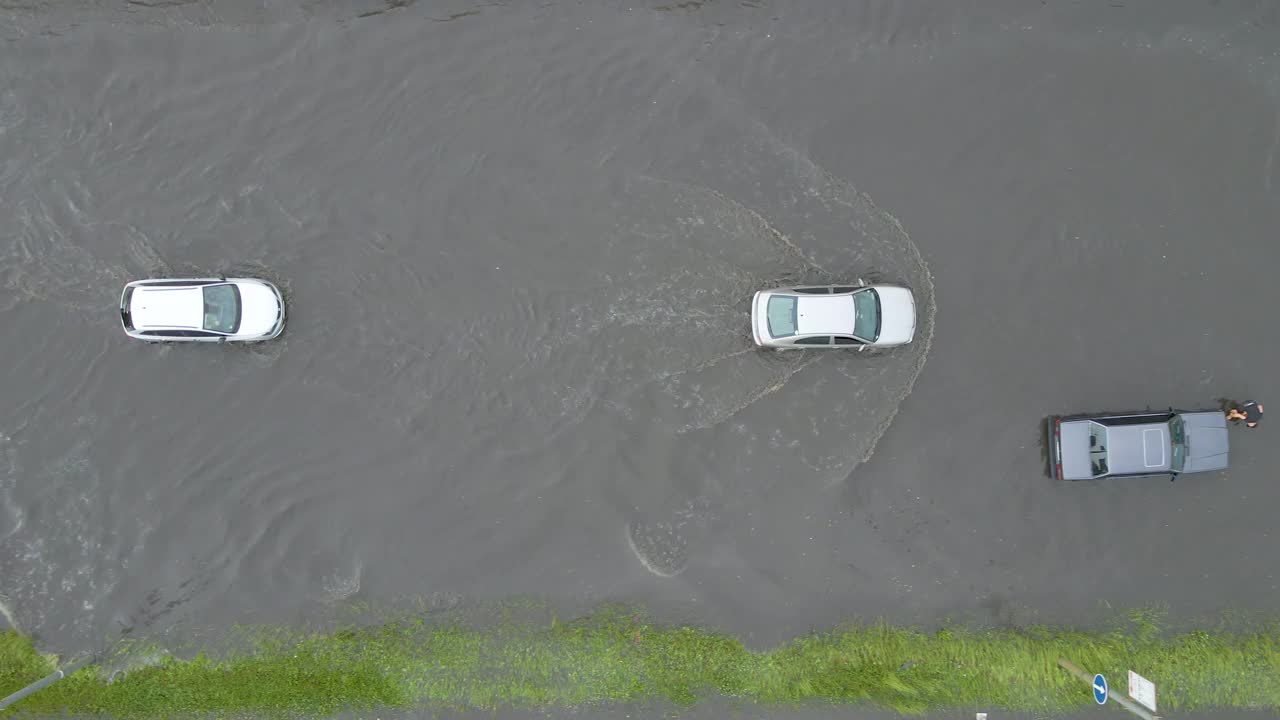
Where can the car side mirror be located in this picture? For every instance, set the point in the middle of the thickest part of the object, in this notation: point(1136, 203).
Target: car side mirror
point(222, 339)
point(861, 348)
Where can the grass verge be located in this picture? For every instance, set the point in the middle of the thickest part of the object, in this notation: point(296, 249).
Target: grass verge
point(615, 656)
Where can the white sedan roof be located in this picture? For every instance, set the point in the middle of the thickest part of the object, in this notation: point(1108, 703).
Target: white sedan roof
point(825, 315)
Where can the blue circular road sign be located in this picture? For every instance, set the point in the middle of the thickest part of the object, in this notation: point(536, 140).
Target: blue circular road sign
point(1099, 689)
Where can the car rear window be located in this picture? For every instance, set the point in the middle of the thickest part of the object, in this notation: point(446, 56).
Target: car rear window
point(126, 315)
point(1098, 449)
point(1178, 438)
point(781, 314)
point(222, 308)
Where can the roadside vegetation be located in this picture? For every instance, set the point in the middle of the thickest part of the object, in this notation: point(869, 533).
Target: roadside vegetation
point(616, 656)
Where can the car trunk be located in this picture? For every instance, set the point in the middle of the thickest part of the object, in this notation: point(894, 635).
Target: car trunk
point(1073, 444)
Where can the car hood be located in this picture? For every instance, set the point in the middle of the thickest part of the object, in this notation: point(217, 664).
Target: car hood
point(260, 309)
point(897, 315)
point(1207, 444)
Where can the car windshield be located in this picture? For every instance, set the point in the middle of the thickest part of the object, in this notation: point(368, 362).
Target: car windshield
point(1098, 448)
point(222, 308)
point(1178, 438)
point(781, 315)
point(866, 306)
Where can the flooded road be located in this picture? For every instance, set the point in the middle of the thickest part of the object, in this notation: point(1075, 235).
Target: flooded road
point(518, 243)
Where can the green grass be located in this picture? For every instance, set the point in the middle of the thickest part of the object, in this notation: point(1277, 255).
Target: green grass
point(618, 657)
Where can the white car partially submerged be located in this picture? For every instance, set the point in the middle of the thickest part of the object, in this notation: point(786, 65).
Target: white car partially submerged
point(834, 316)
point(202, 310)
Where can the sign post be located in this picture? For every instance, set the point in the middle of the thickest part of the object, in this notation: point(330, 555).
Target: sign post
point(44, 682)
point(1100, 692)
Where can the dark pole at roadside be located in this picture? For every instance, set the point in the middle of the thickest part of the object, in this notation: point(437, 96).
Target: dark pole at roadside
point(45, 682)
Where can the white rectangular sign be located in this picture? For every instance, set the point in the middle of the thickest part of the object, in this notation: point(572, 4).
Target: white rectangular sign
point(1142, 690)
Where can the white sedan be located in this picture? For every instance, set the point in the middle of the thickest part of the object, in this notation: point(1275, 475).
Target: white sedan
point(834, 316)
point(202, 310)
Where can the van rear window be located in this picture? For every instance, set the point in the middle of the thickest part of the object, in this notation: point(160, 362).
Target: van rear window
point(781, 315)
point(126, 316)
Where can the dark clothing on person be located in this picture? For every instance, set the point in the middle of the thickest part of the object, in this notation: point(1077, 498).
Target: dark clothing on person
point(1252, 413)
